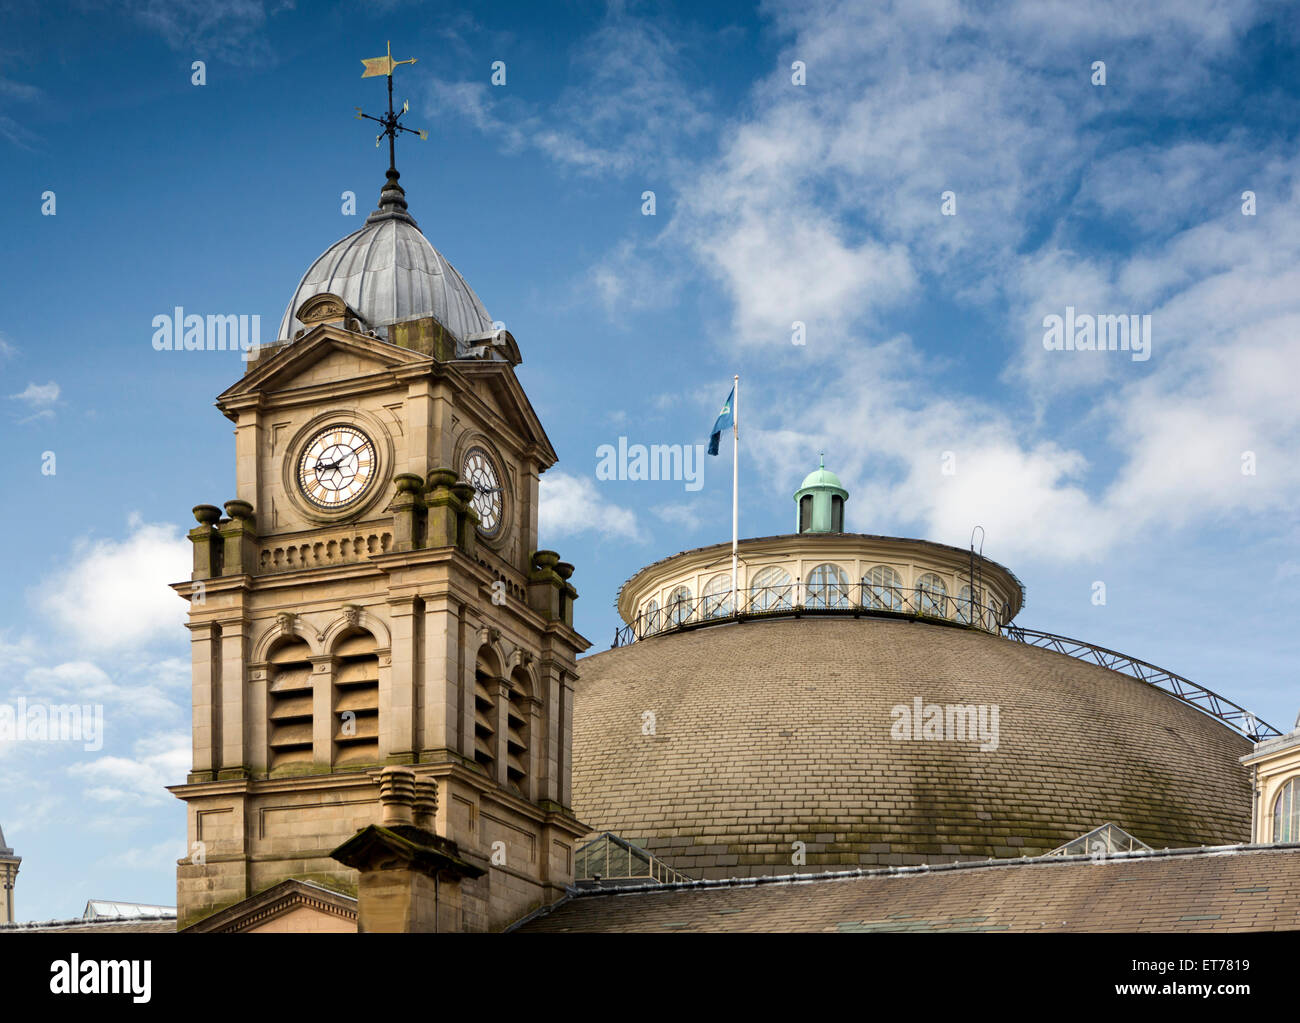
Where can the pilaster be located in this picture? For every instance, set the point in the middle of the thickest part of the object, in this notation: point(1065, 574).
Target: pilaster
point(233, 762)
point(323, 719)
point(397, 699)
point(205, 649)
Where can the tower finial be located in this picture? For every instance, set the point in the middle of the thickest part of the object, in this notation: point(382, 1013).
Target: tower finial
point(392, 199)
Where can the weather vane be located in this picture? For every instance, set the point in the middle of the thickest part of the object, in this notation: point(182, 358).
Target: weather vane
point(390, 121)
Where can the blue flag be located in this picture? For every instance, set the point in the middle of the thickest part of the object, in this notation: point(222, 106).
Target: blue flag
point(724, 422)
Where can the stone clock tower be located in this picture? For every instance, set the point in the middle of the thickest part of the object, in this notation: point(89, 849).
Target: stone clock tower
point(374, 595)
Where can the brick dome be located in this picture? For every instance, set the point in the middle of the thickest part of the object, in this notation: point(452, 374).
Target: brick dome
point(772, 732)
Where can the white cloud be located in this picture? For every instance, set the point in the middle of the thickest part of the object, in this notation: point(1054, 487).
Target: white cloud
point(84, 682)
point(114, 594)
point(571, 506)
point(635, 98)
point(233, 30)
point(158, 761)
point(38, 395)
point(12, 130)
point(689, 517)
point(158, 858)
point(823, 206)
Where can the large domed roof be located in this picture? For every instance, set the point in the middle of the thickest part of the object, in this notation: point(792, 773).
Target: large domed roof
point(773, 732)
point(388, 272)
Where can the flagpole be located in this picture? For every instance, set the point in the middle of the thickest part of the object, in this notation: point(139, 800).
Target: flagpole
point(735, 492)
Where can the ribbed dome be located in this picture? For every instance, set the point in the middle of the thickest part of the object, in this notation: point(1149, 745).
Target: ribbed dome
point(389, 272)
point(774, 732)
point(821, 477)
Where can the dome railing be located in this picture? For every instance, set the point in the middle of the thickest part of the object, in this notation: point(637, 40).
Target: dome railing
point(1185, 689)
point(797, 600)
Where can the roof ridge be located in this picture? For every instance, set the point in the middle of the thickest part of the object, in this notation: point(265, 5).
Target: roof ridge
point(1046, 860)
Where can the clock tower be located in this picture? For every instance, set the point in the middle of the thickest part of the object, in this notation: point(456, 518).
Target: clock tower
point(375, 595)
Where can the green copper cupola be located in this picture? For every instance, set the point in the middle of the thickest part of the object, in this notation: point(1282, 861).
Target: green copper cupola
point(819, 503)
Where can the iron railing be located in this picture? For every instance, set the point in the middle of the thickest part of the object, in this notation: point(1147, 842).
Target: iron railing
point(797, 599)
point(1185, 689)
point(794, 600)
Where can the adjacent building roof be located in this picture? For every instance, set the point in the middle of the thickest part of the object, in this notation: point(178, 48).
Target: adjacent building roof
point(102, 916)
point(164, 924)
point(98, 909)
point(1227, 888)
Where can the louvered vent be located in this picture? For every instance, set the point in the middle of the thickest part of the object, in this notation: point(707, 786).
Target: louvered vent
point(485, 717)
point(289, 706)
point(356, 702)
point(517, 741)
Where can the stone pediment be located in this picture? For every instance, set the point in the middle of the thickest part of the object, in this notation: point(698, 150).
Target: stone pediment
point(290, 906)
point(496, 386)
point(327, 354)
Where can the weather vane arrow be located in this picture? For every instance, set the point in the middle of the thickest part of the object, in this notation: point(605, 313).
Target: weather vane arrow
point(391, 121)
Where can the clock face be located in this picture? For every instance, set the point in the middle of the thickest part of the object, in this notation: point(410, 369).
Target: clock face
point(337, 467)
point(481, 474)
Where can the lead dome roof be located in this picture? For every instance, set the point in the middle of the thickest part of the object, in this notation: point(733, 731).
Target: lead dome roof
point(773, 732)
point(389, 272)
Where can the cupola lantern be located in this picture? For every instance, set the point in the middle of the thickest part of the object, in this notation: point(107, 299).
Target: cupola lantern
point(819, 503)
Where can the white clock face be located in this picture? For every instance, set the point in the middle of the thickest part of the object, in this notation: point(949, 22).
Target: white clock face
point(337, 467)
point(480, 473)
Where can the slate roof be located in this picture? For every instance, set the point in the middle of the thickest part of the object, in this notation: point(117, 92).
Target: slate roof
point(776, 732)
point(78, 925)
point(1223, 888)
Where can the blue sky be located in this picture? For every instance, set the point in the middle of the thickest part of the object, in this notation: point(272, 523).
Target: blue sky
point(775, 203)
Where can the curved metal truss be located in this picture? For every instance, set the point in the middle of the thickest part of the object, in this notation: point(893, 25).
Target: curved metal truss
point(1198, 696)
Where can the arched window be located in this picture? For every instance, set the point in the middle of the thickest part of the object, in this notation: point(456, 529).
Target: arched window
point(289, 706)
point(356, 701)
point(932, 595)
point(805, 513)
point(1286, 813)
point(837, 514)
point(963, 607)
point(770, 590)
point(650, 618)
point(828, 586)
point(678, 608)
point(717, 596)
point(883, 589)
